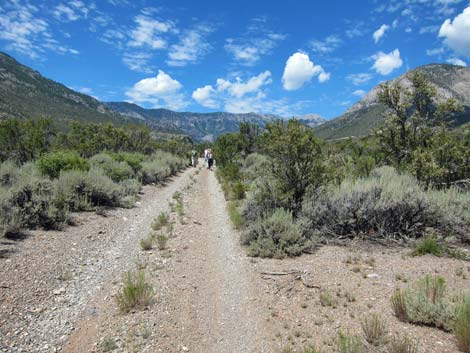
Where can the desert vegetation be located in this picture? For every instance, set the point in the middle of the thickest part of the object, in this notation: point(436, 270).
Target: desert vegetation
point(45, 174)
point(290, 192)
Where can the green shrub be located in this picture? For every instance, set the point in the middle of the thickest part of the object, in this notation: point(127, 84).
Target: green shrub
point(135, 292)
point(461, 328)
point(51, 164)
point(385, 204)
point(81, 190)
point(117, 171)
point(276, 235)
point(9, 173)
point(424, 303)
point(134, 160)
point(30, 204)
point(453, 207)
point(403, 344)
point(348, 343)
point(155, 172)
point(237, 190)
point(374, 328)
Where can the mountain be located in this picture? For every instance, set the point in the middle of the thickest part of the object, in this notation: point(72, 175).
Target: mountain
point(25, 93)
point(200, 126)
point(361, 118)
point(312, 120)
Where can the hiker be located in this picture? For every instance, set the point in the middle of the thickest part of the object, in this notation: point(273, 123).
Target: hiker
point(194, 158)
point(210, 160)
point(206, 158)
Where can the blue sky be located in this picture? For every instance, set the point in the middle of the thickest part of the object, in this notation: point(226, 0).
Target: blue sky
point(276, 57)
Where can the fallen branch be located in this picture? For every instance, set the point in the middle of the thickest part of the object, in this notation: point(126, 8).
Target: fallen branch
point(280, 273)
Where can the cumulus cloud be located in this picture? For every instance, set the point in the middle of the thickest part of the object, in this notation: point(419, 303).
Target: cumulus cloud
point(456, 33)
point(148, 32)
point(359, 79)
point(239, 88)
point(299, 70)
point(380, 32)
point(205, 96)
point(191, 46)
point(456, 61)
point(386, 63)
point(159, 91)
point(238, 96)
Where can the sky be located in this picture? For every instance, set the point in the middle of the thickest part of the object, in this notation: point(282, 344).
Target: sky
point(270, 57)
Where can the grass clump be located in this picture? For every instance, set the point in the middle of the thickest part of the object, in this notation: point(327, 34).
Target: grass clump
point(424, 303)
point(147, 243)
point(326, 299)
point(348, 343)
point(135, 292)
point(374, 328)
point(161, 221)
point(276, 235)
point(461, 327)
point(403, 344)
point(235, 216)
point(162, 241)
point(428, 245)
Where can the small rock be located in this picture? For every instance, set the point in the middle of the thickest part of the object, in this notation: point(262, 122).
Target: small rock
point(59, 291)
point(373, 275)
point(185, 349)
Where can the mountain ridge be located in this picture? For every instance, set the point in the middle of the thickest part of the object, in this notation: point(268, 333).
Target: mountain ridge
point(451, 81)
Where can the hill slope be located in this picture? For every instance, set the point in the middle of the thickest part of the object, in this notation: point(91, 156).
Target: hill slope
point(25, 93)
point(200, 126)
point(361, 118)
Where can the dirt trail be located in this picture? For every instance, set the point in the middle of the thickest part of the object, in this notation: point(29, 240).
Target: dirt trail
point(220, 314)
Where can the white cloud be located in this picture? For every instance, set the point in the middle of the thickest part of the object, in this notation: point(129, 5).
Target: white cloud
point(148, 32)
point(27, 33)
point(299, 70)
point(456, 33)
point(239, 88)
point(327, 45)
point(191, 47)
point(159, 91)
point(240, 96)
point(386, 63)
point(75, 11)
point(255, 43)
point(359, 93)
point(456, 61)
point(138, 62)
point(435, 51)
point(324, 76)
point(205, 96)
point(380, 32)
point(359, 79)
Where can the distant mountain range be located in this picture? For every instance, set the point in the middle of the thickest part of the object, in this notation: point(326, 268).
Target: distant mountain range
point(25, 93)
point(200, 126)
point(367, 114)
